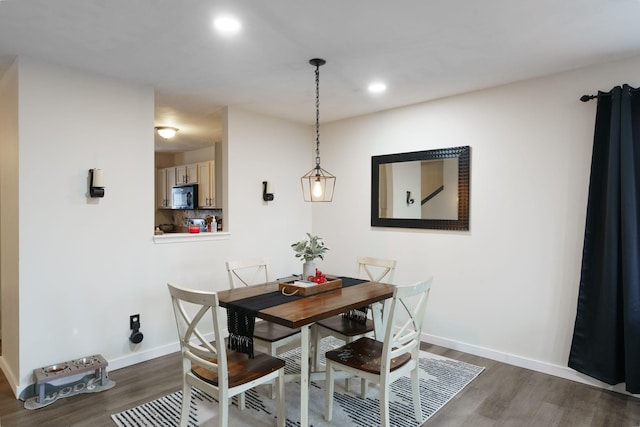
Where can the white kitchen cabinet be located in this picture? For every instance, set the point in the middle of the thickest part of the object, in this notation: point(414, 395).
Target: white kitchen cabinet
point(187, 174)
point(165, 179)
point(206, 184)
point(202, 173)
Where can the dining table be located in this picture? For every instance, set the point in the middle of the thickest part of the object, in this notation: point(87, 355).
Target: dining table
point(303, 312)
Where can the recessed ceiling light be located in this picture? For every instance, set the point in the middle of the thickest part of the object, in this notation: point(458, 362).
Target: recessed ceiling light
point(227, 25)
point(377, 87)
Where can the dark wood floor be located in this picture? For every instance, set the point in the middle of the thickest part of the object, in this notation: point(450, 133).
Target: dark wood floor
point(503, 395)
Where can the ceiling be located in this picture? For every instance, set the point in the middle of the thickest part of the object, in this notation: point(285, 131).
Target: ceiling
point(422, 49)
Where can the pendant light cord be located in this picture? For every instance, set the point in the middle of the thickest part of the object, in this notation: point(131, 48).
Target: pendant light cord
point(318, 116)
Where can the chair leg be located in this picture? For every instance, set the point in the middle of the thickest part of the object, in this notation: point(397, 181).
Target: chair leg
point(347, 381)
point(384, 405)
point(415, 390)
point(273, 351)
point(316, 338)
point(223, 409)
point(328, 392)
point(241, 401)
point(186, 403)
point(280, 411)
point(363, 388)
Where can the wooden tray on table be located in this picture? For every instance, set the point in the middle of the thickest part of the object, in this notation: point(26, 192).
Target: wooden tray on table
point(298, 287)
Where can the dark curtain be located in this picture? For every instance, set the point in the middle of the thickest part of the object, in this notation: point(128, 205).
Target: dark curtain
point(606, 337)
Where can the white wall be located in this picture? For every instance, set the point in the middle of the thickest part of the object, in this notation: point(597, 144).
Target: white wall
point(9, 221)
point(86, 264)
point(195, 156)
point(508, 287)
point(265, 149)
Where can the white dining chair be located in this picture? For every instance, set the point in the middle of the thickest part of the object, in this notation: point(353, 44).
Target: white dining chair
point(210, 366)
point(247, 272)
point(347, 330)
point(267, 335)
point(383, 362)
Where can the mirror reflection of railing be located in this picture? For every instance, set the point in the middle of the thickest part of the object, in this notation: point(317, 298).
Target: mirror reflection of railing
point(439, 179)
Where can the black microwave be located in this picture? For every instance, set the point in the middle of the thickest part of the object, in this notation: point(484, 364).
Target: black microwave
point(184, 196)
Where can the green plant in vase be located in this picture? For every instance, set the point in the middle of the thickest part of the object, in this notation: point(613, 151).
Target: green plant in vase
point(308, 250)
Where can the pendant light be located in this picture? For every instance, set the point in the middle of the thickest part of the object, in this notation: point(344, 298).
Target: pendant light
point(318, 184)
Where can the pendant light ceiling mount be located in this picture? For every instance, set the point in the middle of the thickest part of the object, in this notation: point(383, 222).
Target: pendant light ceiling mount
point(317, 62)
point(318, 184)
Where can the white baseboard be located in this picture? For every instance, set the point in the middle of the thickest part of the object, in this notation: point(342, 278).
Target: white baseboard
point(152, 353)
point(114, 364)
point(142, 356)
point(13, 383)
point(524, 362)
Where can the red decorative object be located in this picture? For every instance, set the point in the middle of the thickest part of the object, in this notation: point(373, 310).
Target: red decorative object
point(319, 278)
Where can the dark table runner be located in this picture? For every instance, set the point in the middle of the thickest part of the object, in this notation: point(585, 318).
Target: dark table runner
point(241, 314)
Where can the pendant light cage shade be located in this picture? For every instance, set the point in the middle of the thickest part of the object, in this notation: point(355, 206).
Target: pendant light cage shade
point(318, 185)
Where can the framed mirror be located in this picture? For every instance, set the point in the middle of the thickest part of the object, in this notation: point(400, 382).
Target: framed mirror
point(421, 189)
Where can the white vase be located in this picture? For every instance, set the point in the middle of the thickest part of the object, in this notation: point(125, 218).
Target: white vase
point(308, 269)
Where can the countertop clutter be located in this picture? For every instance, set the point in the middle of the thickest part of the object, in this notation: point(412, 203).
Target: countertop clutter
point(209, 224)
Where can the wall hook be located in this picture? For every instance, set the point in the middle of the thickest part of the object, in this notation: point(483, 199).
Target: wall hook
point(409, 199)
point(267, 197)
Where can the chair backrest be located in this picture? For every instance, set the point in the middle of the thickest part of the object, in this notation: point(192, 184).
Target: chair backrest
point(248, 272)
point(376, 269)
point(404, 327)
point(191, 309)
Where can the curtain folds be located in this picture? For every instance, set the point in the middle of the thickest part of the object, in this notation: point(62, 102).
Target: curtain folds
point(606, 338)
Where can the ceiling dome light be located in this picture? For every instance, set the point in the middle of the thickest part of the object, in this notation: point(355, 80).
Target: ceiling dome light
point(377, 87)
point(167, 132)
point(227, 25)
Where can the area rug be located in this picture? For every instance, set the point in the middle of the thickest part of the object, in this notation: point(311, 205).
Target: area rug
point(441, 379)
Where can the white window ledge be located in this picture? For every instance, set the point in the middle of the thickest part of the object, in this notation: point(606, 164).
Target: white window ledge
point(190, 237)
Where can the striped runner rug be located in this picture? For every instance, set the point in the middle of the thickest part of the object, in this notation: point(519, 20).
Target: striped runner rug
point(441, 379)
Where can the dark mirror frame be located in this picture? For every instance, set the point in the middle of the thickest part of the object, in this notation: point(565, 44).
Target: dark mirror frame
point(463, 156)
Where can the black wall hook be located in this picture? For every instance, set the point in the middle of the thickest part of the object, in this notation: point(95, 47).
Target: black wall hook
point(267, 197)
point(409, 199)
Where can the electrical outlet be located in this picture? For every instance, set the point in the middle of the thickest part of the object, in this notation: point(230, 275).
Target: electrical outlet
point(134, 321)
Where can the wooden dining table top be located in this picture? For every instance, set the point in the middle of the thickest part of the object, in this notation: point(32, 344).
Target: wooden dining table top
point(310, 309)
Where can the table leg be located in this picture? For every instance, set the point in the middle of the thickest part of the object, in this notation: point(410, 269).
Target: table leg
point(304, 377)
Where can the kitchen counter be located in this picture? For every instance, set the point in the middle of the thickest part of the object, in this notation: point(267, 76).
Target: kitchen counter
point(190, 237)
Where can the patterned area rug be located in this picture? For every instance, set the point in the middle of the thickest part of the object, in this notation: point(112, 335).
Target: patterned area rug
point(440, 380)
